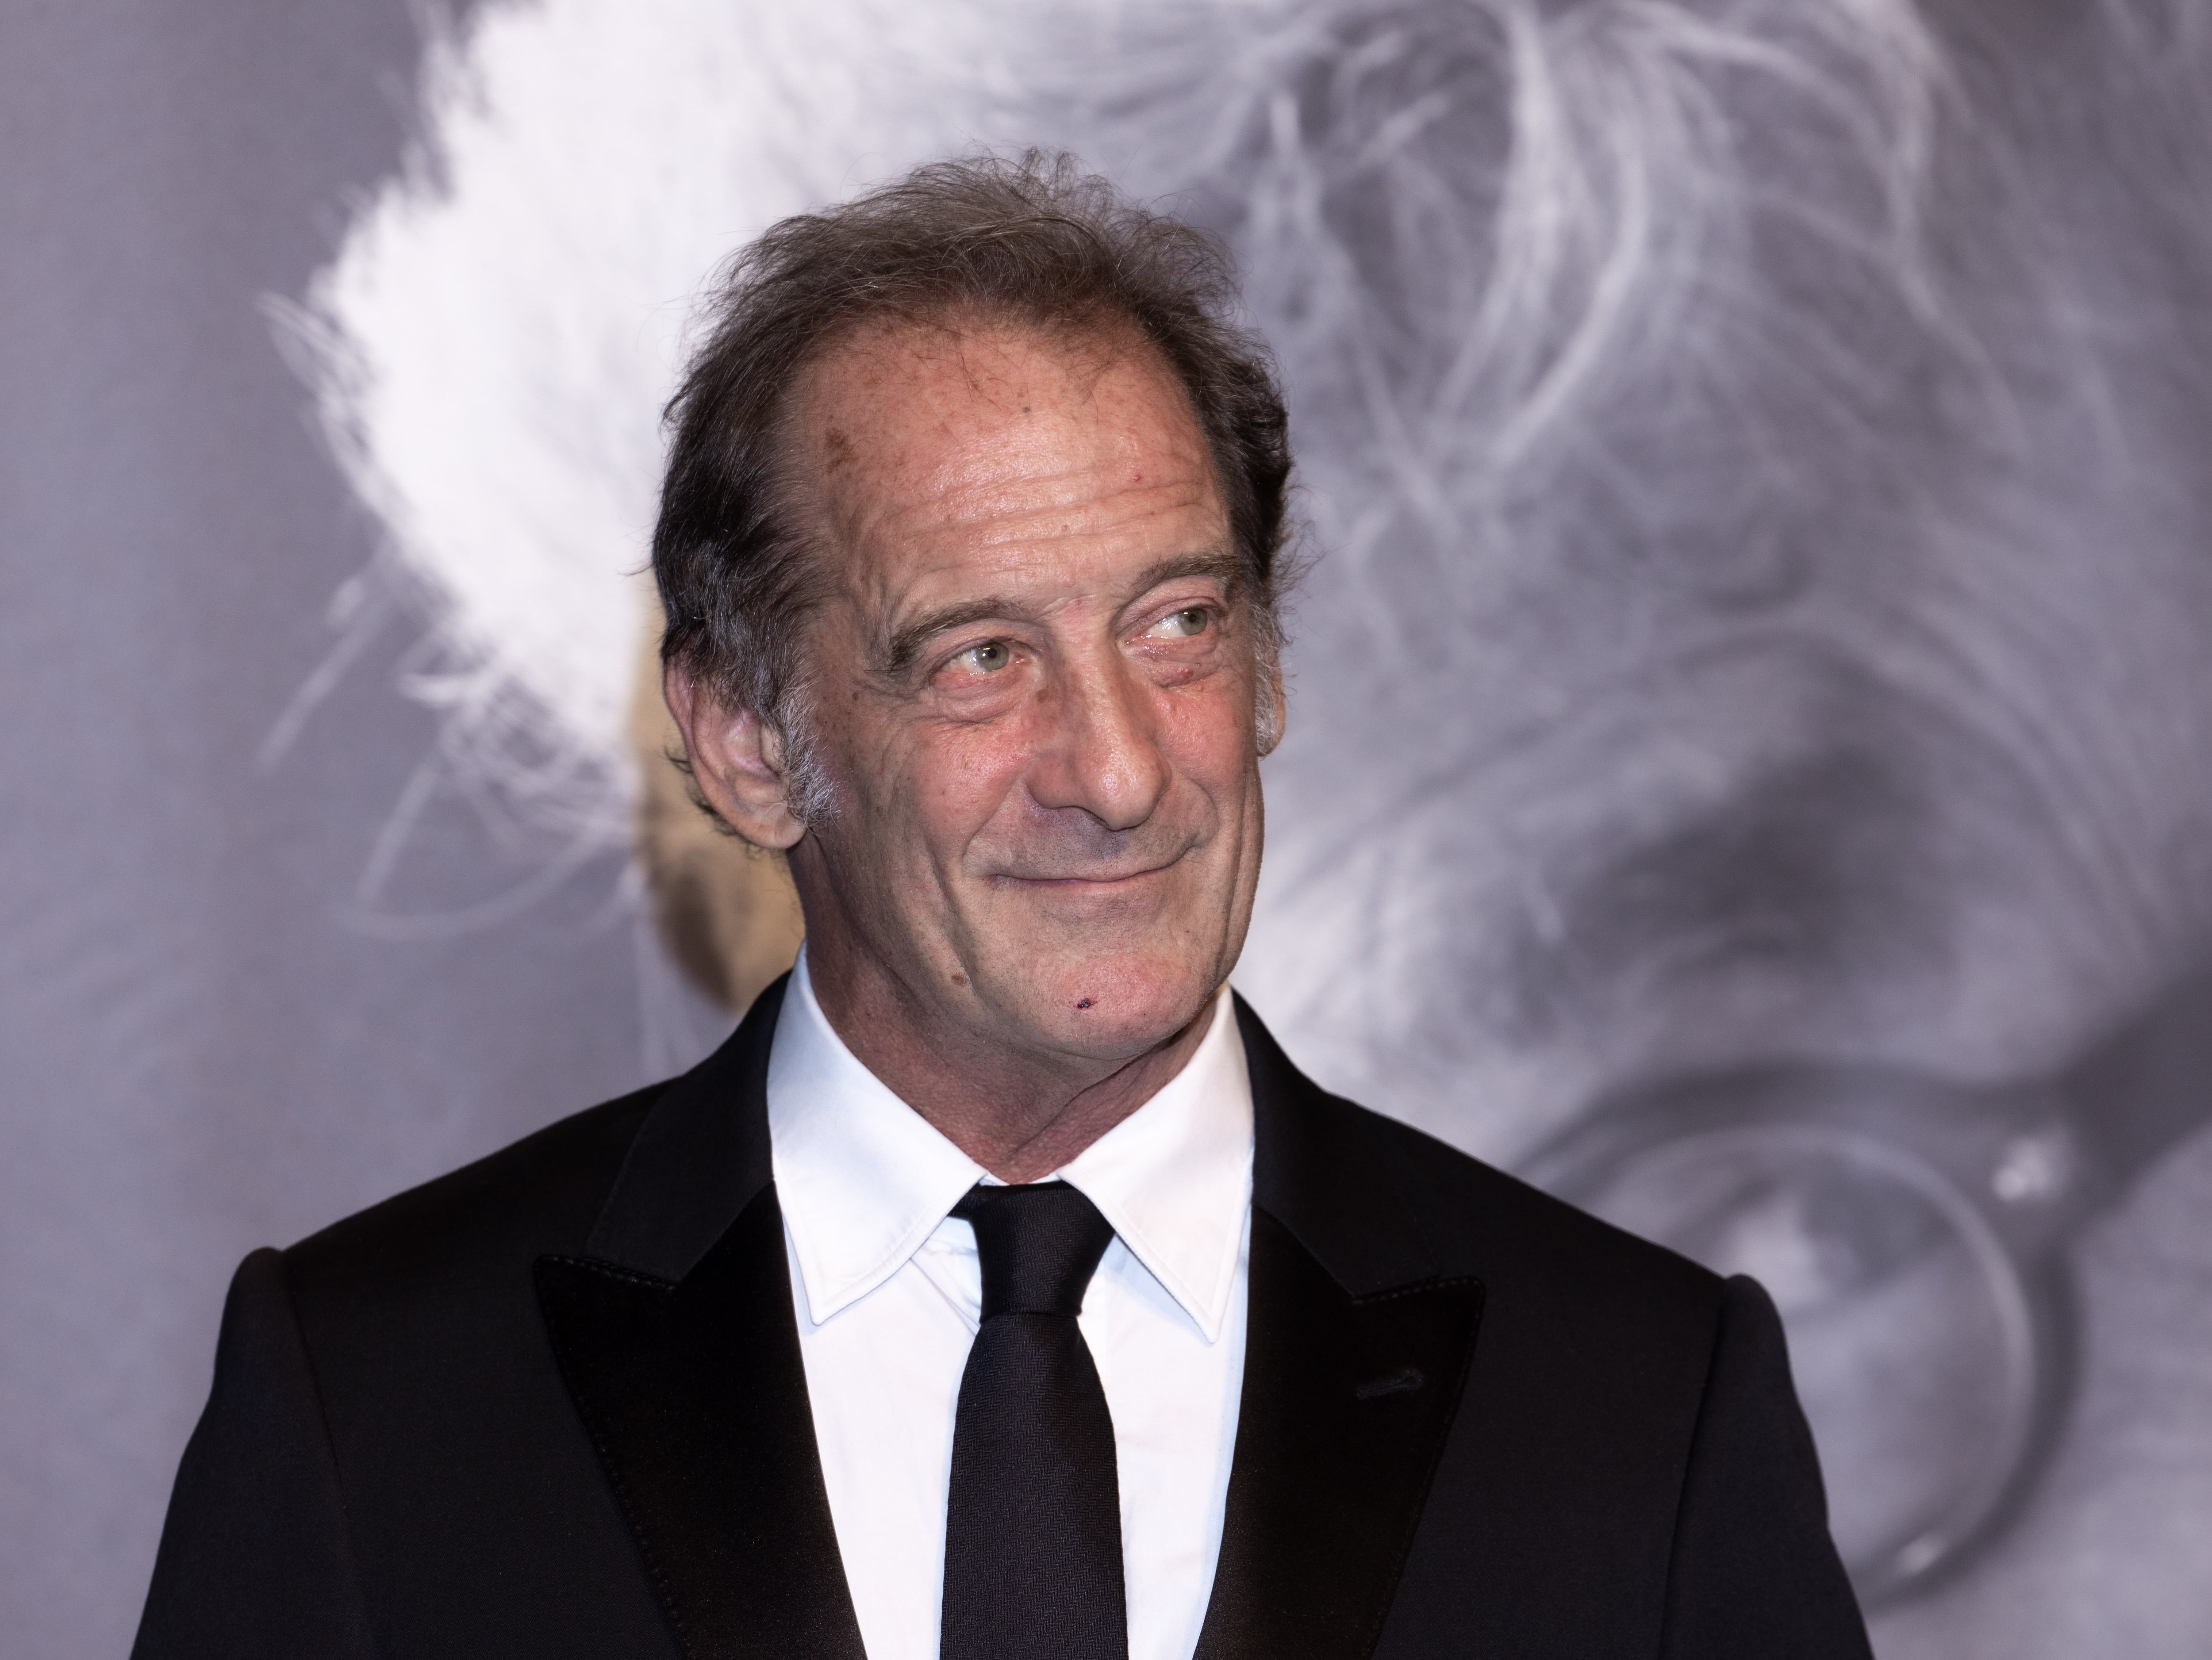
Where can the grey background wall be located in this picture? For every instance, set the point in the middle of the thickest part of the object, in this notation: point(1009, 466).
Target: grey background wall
point(198, 1053)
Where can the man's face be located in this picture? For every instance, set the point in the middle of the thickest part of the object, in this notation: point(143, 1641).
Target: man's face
point(1033, 687)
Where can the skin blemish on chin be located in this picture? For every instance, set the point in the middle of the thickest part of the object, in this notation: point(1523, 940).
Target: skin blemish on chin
point(1086, 1003)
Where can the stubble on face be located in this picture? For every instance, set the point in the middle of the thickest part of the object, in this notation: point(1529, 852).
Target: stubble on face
point(1034, 684)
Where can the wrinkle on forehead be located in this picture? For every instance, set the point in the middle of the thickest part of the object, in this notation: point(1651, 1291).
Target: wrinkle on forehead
point(927, 447)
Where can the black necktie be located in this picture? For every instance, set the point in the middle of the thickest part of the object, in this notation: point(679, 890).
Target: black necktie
point(1033, 1523)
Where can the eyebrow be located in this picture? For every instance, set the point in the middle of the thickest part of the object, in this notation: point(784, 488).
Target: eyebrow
point(907, 641)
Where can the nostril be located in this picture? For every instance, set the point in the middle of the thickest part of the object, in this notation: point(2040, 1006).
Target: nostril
point(1397, 1383)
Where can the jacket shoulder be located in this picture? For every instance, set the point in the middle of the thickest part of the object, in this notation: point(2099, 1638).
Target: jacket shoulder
point(476, 1506)
point(1384, 1204)
point(1566, 1461)
point(1476, 1219)
point(537, 1195)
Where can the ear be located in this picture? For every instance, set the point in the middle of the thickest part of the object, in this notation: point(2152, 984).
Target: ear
point(1274, 705)
point(736, 760)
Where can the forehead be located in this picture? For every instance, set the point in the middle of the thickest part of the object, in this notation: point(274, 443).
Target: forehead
point(923, 445)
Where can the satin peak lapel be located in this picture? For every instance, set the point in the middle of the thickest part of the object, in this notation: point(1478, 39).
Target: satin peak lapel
point(1353, 1371)
point(678, 1340)
point(695, 1397)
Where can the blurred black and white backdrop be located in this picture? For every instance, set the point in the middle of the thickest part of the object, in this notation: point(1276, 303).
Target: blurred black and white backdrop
point(1750, 761)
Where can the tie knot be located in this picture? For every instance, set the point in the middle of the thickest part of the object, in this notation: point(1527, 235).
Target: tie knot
point(1040, 1245)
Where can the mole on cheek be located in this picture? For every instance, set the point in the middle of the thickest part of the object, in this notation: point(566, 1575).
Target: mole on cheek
point(1086, 1003)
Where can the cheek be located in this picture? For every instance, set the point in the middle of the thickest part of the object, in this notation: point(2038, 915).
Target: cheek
point(1208, 731)
point(955, 779)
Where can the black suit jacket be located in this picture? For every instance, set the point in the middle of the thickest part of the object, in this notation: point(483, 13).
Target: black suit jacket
point(553, 1405)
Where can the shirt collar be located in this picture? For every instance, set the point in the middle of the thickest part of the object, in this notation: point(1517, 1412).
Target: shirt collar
point(864, 1179)
point(1175, 1177)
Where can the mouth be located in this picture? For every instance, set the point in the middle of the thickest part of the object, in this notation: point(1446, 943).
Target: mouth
point(1077, 866)
point(1100, 883)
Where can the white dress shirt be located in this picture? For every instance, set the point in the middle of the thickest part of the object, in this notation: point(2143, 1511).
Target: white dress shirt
point(889, 1290)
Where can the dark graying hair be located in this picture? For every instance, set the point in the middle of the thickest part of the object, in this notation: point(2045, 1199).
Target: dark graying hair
point(1033, 239)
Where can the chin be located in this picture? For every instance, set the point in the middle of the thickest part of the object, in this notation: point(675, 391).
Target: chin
point(1113, 1005)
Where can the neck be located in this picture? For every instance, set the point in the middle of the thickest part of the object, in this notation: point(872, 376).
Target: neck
point(1019, 1114)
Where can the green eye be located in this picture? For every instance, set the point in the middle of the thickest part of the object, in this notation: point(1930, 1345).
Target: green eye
point(988, 657)
point(1181, 624)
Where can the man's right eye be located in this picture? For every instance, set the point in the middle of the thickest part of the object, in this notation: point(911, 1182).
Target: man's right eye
point(988, 657)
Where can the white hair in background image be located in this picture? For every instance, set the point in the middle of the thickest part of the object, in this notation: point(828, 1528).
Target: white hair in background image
point(1599, 320)
point(492, 344)
point(1484, 239)
point(1619, 336)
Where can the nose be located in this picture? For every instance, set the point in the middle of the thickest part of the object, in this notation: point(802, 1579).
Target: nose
point(1101, 750)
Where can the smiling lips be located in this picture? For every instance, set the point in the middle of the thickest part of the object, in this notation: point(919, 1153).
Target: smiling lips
point(1086, 881)
point(1075, 863)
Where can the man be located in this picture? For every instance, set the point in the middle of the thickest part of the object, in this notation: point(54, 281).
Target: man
point(999, 1288)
